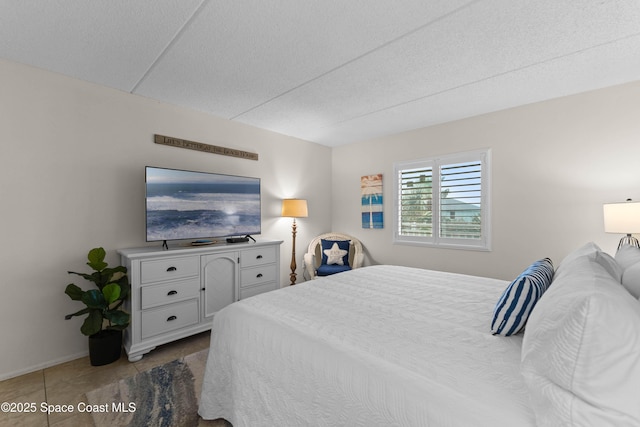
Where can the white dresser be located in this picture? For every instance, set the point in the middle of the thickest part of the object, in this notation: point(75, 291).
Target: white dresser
point(175, 293)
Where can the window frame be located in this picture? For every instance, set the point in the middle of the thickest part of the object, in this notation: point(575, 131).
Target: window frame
point(484, 242)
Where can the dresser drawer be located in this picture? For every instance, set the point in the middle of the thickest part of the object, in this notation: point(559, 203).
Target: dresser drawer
point(169, 268)
point(168, 293)
point(256, 275)
point(257, 256)
point(255, 290)
point(168, 318)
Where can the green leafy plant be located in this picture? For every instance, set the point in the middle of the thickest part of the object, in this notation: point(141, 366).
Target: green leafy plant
point(103, 303)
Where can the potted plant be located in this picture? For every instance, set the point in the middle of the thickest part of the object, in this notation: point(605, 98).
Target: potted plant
point(105, 321)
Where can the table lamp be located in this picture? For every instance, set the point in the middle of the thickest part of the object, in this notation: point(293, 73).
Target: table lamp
point(623, 218)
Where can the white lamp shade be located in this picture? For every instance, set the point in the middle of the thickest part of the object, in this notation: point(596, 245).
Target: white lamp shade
point(295, 208)
point(622, 218)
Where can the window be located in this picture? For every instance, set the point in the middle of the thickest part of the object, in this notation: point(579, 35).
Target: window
point(444, 201)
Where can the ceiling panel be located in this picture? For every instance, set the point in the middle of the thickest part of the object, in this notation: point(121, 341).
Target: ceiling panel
point(468, 48)
point(608, 64)
point(109, 42)
point(332, 71)
point(238, 55)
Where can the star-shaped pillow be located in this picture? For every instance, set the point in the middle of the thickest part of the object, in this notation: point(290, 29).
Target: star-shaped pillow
point(335, 252)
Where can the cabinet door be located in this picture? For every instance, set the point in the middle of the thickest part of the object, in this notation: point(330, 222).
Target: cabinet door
point(220, 281)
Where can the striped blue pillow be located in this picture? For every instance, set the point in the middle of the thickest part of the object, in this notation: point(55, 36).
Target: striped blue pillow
point(517, 301)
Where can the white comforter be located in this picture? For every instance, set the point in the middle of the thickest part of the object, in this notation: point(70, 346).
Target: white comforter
point(377, 346)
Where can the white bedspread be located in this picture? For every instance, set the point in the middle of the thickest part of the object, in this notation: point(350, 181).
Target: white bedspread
point(377, 346)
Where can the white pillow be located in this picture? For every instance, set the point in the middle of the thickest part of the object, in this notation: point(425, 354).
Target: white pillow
point(628, 257)
point(609, 264)
point(593, 252)
point(581, 350)
point(631, 280)
point(587, 249)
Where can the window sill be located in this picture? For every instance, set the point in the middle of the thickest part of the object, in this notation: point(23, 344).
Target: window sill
point(480, 247)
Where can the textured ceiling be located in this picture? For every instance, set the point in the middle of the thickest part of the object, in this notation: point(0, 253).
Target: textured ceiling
point(332, 71)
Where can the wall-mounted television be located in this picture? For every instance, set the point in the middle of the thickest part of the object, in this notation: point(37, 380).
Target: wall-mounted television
point(182, 204)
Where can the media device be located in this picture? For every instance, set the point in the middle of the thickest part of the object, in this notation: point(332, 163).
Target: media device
point(182, 204)
point(239, 239)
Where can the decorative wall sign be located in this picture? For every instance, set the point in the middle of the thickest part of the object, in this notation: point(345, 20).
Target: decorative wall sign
point(199, 146)
point(372, 212)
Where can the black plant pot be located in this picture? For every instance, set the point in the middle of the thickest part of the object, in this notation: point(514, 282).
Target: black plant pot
point(105, 347)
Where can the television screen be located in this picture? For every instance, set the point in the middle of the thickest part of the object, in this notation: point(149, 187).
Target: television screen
point(184, 204)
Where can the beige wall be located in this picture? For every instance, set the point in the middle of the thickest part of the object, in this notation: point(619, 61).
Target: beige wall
point(72, 172)
point(72, 178)
point(554, 164)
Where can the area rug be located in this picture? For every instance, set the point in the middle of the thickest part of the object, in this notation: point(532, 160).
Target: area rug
point(165, 396)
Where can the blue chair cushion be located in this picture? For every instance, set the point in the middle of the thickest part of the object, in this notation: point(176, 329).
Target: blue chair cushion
point(329, 269)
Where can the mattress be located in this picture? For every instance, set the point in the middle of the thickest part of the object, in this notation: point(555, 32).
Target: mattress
point(376, 346)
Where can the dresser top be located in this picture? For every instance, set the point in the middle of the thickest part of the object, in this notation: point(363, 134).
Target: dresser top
point(188, 249)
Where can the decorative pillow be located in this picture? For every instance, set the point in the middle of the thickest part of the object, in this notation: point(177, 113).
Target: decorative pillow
point(581, 352)
point(517, 301)
point(335, 252)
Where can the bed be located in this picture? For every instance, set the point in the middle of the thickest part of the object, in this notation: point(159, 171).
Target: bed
point(390, 345)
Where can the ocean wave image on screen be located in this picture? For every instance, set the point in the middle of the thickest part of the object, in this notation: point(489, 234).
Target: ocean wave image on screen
point(186, 211)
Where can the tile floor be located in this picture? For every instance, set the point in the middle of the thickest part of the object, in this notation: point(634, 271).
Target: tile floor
point(67, 383)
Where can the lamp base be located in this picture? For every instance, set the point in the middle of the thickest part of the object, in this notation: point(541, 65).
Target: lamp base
point(293, 275)
point(629, 240)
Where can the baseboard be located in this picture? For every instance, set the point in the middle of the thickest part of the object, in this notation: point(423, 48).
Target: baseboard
point(48, 364)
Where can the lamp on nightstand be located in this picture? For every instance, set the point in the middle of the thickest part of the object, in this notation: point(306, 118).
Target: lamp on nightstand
point(623, 218)
point(294, 208)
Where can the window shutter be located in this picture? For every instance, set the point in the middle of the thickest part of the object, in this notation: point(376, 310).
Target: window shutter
point(416, 202)
point(461, 200)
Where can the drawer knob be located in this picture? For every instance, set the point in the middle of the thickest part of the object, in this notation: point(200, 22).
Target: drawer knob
point(259, 275)
point(171, 269)
point(259, 257)
point(172, 293)
point(170, 318)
